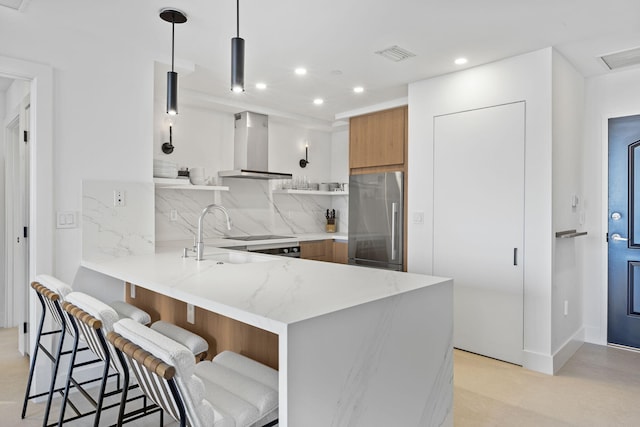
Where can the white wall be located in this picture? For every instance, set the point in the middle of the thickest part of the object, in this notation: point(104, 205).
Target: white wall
point(522, 78)
point(568, 117)
point(3, 242)
point(205, 137)
point(103, 112)
point(201, 137)
point(340, 156)
point(615, 94)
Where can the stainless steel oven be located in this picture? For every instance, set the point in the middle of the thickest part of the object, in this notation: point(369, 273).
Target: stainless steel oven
point(288, 249)
point(291, 250)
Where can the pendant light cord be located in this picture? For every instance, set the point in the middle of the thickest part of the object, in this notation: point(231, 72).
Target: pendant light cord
point(238, 18)
point(173, 34)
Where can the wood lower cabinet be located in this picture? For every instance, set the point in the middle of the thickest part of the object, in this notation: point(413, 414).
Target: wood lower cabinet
point(378, 139)
point(340, 252)
point(319, 250)
point(324, 250)
point(221, 332)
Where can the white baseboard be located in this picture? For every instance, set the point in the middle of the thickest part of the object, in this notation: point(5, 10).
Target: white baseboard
point(550, 364)
point(538, 362)
point(595, 335)
point(567, 350)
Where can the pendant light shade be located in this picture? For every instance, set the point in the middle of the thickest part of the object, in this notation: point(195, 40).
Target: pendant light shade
point(237, 56)
point(172, 93)
point(237, 64)
point(175, 17)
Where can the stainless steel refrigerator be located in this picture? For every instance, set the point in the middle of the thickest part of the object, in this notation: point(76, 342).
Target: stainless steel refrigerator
point(376, 220)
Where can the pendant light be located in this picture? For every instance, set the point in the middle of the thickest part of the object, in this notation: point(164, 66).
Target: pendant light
point(237, 56)
point(175, 17)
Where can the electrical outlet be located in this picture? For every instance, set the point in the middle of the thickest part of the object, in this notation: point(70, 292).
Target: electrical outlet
point(118, 198)
point(191, 314)
point(566, 307)
point(132, 291)
point(173, 215)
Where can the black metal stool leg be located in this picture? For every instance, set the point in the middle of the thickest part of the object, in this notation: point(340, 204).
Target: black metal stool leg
point(54, 374)
point(103, 385)
point(34, 358)
point(125, 389)
point(72, 361)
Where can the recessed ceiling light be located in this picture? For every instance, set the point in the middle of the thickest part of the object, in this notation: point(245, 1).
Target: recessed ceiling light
point(318, 101)
point(261, 86)
point(460, 61)
point(301, 71)
point(358, 89)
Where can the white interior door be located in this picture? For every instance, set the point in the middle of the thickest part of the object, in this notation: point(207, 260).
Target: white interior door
point(22, 287)
point(479, 225)
point(17, 222)
point(12, 132)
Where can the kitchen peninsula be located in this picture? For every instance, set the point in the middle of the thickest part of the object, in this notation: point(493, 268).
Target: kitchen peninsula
point(356, 346)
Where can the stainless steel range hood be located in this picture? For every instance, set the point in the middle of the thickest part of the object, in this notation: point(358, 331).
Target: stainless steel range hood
point(251, 148)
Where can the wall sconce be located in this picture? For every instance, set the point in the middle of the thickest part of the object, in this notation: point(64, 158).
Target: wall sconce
point(304, 162)
point(167, 147)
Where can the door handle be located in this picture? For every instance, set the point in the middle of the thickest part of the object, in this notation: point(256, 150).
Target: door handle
point(618, 238)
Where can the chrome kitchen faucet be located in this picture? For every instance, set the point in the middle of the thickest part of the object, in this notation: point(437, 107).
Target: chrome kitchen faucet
point(200, 240)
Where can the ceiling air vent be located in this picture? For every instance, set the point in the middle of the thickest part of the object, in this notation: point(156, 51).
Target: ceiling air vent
point(395, 53)
point(622, 59)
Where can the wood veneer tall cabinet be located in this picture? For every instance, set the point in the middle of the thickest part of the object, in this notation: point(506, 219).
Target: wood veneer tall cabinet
point(378, 139)
point(378, 142)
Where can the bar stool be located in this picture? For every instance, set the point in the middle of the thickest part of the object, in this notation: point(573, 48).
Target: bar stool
point(230, 390)
point(91, 325)
point(94, 319)
point(51, 292)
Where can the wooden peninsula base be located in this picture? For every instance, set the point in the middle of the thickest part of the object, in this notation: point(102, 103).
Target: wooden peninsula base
point(221, 332)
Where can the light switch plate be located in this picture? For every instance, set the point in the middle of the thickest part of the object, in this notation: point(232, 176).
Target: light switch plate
point(66, 219)
point(418, 217)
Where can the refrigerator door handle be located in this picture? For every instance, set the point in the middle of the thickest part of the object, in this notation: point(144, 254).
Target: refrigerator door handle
point(394, 224)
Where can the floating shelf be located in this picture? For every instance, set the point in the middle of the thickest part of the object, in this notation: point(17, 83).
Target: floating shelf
point(313, 192)
point(183, 184)
point(567, 234)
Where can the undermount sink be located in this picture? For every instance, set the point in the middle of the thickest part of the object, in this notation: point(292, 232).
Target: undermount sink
point(237, 258)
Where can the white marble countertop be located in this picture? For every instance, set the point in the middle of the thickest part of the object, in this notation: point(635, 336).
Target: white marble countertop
point(269, 294)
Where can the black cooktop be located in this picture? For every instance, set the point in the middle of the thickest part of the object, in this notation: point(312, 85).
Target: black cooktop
point(265, 237)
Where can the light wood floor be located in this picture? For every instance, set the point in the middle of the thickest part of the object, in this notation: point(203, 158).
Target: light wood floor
point(599, 386)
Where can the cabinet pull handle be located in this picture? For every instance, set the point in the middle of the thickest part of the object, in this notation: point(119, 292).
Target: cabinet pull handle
point(515, 256)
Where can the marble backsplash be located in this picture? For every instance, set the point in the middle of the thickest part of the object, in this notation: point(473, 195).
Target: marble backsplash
point(253, 207)
point(110, 231)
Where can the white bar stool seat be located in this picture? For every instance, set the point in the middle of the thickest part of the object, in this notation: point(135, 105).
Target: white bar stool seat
point(195, 343)
point(131, 311)
point(230, 390)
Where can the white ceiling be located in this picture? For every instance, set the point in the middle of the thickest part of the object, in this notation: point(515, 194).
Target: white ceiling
point(336, 40)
